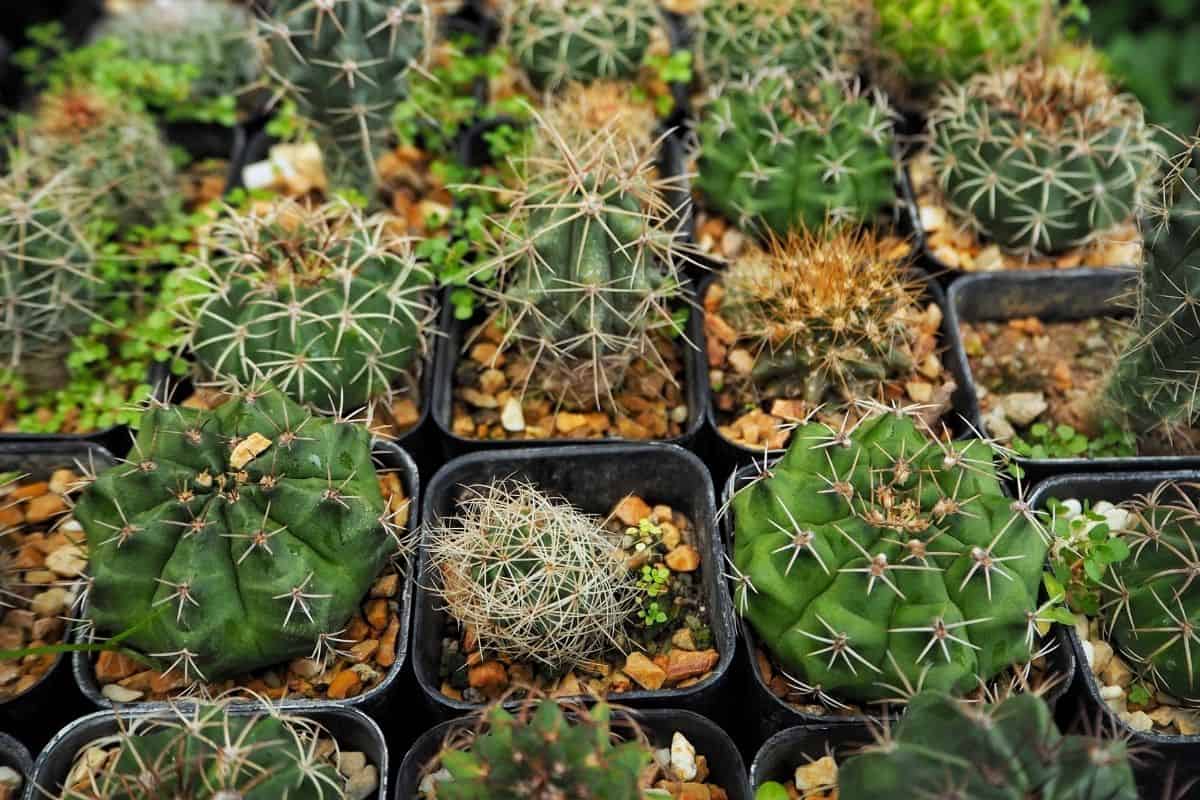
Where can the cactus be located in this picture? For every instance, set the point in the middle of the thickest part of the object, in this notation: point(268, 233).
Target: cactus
point(533, 576)
point(1041, 158)
point(209, 751)
point(735, 40)
point(1154, 385)
point(115, 155)
point(237, 538)
point(1011, 750)
point(559, 41)
point(884, 557)
point(541, 752)
point(772, 158)
point(346, 65)
point(827, 314)
point(589, 258)
point(325, 302)
point(924, 42)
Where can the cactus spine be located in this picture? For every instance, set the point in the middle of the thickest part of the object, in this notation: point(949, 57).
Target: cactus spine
point(237, 538)
point(883, 557)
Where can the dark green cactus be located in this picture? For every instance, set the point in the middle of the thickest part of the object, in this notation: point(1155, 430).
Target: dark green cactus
point(1040, 158)
point(884, 558)
point(541, 752)
point(321, 300)
point(560, 41)
point(1012, 750)
point(237, 538)
point(772, 158)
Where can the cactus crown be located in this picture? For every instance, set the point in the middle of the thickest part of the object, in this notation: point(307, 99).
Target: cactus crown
point(541, 753)
point(1041, 158)
point(882, 556)
point(237, 538)
point(825, 312)
point(1011, 750)
point(325, 302)
point(534, 577)
point(581, 109)
point(209, 750)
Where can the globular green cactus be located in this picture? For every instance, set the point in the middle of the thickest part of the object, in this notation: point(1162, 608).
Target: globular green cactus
point(327, 303)
point(926, 42)
point(883, 557)
point(1154, 387)
point(346, 64)
point(735, 40)
point(541, 752)
point(779, 157)
point(534, 577)
point(1011, 750)
point(1041, 158)
point(211, 750)
point(559, 41)
point(234, 539)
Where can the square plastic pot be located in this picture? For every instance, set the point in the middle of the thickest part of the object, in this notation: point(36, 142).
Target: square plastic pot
point(15, 756)
point(352, 729)
point(594, 479)
point(35, 715)
point(725, 764)
point(779, 756)
point(375, 701)
point(1057, 296)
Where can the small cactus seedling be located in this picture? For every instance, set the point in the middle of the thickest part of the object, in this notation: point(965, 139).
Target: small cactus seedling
point(882, 557)
point(1011, 750)
point(561, 41)
point(541, 752)
point(535, 577)
point(321, 300)
point(209, 750)
point(773, 158)
point(1041, 158)
point(237, 538)
point(828, 315)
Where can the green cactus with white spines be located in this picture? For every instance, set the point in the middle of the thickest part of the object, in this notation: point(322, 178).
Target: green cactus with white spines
point(237, 538)
point(773, 156)
point(556, 42)
point(539, 751)
point(322, 300)
point(1041, 158)
point(735, 40)
point(883, 557)
point(346, 65)
point(1011, 750)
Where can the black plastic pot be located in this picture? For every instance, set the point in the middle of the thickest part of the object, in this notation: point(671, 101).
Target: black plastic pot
point(593, 478)
point(34, 716)
point(727, 456)
point(725, 764)
point(15, 756)
point(388, 457)
point(767, 714)
point(779, 756)
point(204, 140)
point(352, 729)
point(1050, 296)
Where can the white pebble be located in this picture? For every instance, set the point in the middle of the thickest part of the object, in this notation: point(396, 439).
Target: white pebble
point(683, 758)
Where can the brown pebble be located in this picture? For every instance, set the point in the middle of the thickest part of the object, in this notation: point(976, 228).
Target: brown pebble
point(684, 664)
point(632, 510)
point(386, 655)
point(345, 684)
point(112, 666)
point(490, 677)
point(648, 674)
point(363, 651)
point(683, 558)
point(386, 586)
point(377, 613)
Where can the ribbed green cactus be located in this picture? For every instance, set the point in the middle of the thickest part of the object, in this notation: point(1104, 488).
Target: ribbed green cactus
point(775, 155)
point(321, 300)
point(208, 751)
point(559, 41)
point(735, 40)
point(1012, 750)
point(882, 557)
point(346, 64)
point(1154, 386)
point(927, 42)
point(237, 538)
point(541, 752)
point(1040, 158)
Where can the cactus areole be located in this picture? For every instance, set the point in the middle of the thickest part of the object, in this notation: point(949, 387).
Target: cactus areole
point(237, 538)
point(879, 558)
